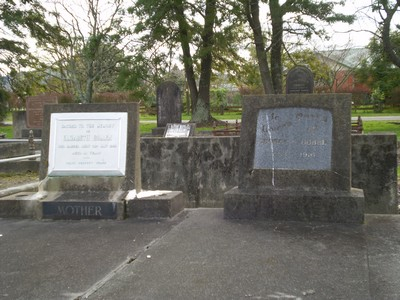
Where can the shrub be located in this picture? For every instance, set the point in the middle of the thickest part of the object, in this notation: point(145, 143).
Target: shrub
point(4, 96)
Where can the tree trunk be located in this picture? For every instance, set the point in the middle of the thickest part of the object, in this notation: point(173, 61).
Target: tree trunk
point(187, 56)
point(201, 112)
point(252, 13)
point(276, 42)
point(387, 44)
point(89, 83)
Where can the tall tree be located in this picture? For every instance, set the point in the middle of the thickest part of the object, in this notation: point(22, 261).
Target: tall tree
point(379, 71)
point(19, 21)
point(192, 28)
point(286, 18)
point(92, 49)
point(387, 9)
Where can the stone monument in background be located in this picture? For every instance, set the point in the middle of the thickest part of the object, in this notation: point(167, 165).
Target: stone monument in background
point(295, 160)
point(32, 118)
point(169, 106)
point(299, 80)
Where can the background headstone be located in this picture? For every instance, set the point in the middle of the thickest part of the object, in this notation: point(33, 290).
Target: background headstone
point(299, 80)
point(34, 109)
point(169, 104)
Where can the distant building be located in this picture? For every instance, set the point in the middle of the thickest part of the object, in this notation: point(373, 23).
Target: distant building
point(343, 64)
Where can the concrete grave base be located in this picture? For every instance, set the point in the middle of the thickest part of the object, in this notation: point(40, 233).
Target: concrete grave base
point(90, 206)
point(165, 205)
point(19, 205)
point(335, 207)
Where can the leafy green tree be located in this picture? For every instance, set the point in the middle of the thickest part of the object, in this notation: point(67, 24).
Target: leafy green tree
point(25, 83)
point(19, 21)
point(378, 71)
point(89, 56)
point(387, 10)
point(248, 78)
point(4, 96)
point(201, 31)
point(286, 18)
point(140, 76)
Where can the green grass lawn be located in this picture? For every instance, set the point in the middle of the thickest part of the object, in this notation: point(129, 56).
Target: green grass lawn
point(379, 126)
point(8, 130)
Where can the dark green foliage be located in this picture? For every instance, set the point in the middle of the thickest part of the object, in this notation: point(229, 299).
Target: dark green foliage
point(378, 72)
point(21, 21)
point(296, 18)
point(4, 96)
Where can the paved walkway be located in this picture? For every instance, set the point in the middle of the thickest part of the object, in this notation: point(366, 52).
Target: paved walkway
point(199, 255)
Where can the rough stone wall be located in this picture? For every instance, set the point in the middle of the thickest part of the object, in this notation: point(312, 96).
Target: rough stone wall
point(202, 167)
point(205, 168)
point(374, 169)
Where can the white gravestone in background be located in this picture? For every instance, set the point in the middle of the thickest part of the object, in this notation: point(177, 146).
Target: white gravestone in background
point(88, 144)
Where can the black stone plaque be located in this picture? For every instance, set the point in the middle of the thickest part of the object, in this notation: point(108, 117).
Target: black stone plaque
point(293, 138)
point(169, 104)
point(179, 130)
point(300, 80)
point(77, 210)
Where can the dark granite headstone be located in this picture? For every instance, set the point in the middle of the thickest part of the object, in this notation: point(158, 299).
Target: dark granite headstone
point(295, 157)
point(296, 138)
point(299, 80)
point(169, 104)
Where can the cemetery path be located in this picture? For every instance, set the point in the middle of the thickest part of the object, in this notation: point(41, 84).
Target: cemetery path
point(380, 118)
point(199, 255)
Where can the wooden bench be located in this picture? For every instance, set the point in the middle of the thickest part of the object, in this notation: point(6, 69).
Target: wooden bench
point(148, 110)
point(357, 126)
point(229, 130)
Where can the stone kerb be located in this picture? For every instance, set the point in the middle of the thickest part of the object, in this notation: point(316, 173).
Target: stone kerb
point(295, 160)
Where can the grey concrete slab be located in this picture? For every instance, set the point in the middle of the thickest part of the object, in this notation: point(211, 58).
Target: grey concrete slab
point(383, 241)
point(199, 255)
point(208, 257)
point(64, 259)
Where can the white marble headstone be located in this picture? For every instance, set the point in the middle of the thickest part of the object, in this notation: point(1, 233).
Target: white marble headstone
point(88, 144)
